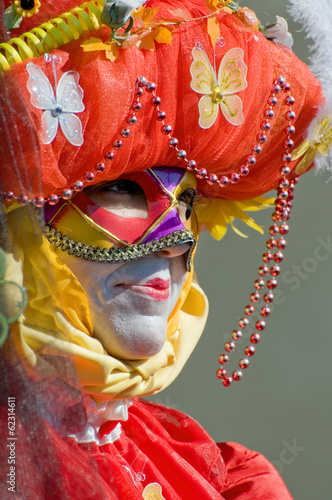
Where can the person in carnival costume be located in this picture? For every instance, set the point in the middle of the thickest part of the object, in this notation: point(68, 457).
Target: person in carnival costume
point(128, 128)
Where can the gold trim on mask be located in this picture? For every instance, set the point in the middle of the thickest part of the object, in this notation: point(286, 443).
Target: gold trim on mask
point(118, 254)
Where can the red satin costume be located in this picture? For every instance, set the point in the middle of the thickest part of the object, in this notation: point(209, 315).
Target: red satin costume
point(169, 447)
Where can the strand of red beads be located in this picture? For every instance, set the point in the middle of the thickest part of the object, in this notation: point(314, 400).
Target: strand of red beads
point(274, 254)
point(39, 201)
point(251, 159)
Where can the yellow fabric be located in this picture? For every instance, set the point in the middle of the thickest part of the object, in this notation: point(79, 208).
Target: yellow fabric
point(56, 326)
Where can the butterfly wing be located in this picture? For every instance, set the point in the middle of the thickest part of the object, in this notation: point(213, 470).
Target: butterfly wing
point(203, 76)
point(69, 93)
point(232, 72)
point(231, 107)
point(208, 111)
point(49, 127)
point(325, 138)
point(42, 95)
point(71, 127)
point(232, 76)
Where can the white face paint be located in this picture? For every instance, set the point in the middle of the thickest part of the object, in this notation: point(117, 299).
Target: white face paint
point(130, 302)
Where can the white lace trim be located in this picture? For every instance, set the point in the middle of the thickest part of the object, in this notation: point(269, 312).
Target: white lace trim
point(97, 416)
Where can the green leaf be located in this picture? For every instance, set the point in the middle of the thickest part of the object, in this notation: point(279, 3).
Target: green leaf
point(234, 6)
point(11, 18)
point(4, 329)
point(3, 263)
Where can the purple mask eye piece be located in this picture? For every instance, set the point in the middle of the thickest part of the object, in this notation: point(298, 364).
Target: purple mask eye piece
point(169, 179)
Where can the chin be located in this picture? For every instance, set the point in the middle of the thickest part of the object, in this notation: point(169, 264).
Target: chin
point(140, 351)
point(145, 354)
point(139, 339)
point(144, 348)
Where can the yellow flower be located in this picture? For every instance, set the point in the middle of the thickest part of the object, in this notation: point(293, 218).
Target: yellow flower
point(217, 4)
point(148, 32)
point(144, 36)
point(111, 48)
point(148, 14)
point(319, 143)
point(137, 12)
point(27, 8)
point(158, 34)
point(215, 214)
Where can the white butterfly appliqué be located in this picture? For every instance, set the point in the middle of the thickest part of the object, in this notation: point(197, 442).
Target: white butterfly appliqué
point(58, 108)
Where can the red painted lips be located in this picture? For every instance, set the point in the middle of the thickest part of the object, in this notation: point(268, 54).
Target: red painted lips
point(157, 288)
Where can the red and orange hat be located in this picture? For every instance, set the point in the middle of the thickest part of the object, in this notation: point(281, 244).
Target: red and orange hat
point(179, 84)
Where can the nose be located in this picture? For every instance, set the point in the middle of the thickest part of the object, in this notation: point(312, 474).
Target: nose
point(174, 251)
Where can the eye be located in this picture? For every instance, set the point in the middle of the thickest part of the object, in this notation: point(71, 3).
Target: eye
point(121, 196)
point(120, 187)
point(187, 198)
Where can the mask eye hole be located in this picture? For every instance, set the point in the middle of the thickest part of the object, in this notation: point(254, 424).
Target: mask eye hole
point(123, 197)
point(186, 202)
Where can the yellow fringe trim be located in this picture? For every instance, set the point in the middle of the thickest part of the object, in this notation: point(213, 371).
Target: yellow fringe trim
point(215, 214)
point(52, 34)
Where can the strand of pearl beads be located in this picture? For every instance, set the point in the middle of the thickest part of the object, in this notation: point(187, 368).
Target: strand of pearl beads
point(280, 216)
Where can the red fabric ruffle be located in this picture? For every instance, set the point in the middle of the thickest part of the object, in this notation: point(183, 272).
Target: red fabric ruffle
point(165, 445)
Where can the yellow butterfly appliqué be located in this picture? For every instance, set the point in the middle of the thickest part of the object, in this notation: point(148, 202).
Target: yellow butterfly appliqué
point(219, 92)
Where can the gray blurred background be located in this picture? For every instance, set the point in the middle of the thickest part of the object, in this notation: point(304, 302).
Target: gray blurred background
point(283, 406)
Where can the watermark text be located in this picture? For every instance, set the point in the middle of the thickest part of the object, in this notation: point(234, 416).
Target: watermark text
point(11, 445)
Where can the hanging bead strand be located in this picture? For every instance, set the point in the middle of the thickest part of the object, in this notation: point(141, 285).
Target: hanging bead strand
point(274, 245)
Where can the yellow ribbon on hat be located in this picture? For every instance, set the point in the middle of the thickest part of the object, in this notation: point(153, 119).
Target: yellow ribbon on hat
point(319, 143)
